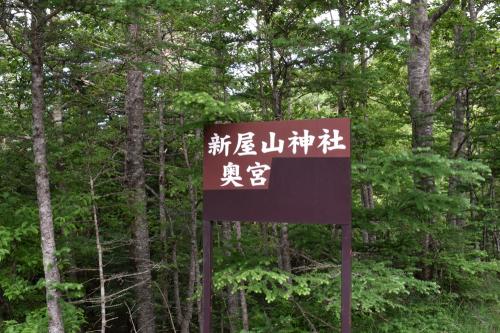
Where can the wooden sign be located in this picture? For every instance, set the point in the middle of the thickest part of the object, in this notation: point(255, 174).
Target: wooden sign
point(294, 171)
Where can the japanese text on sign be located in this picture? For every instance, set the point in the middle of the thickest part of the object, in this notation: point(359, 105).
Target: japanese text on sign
point(239, 156)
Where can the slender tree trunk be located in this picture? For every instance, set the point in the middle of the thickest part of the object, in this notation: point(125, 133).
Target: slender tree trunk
point(342, 7)
point(100, 264)
point(367, 201)
point(279, 253)
point(285, 246)
point(458, 137)
point(262, 97)
point(162, 207)
point(134, 105)
point(188, 314)
point(177, 297)
point(48, 243)
point(275, 91)
point(232, 298)
point(161, 178)
point(243, 298)
point(366, 188)
point(193, 198)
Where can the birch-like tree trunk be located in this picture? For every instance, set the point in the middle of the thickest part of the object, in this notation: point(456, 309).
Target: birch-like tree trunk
point(419, 88)
point(51, 271)
point(33, 50)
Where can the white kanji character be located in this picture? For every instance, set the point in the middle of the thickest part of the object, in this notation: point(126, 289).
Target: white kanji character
point(245, 144)
point(217, 145)
point(272, 144)
point(257, 172)
point(231, 174)
point(330, 143)
point(302, 141)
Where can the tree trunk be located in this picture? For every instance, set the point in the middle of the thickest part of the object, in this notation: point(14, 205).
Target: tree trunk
point(366, 188)
point(420, 97)
point(243, 298)
point(232, 298)
point(100, 264)
point(193, 198)
point(419, 88)
point(188, 314)
point(275, 89)
point(279, 254)
point(262, 97)
point(342, 8)
point(458, 137)
point(285, 248)
point(419, 80)
point(367, 201)
point(161, 179)
point(162, 208)
point(134, 105)
point(177, 297)
point(48, 243)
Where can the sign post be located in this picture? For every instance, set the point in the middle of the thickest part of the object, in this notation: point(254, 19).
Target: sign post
point(296, 171)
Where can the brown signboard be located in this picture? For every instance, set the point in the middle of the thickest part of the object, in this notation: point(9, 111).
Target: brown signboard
point(294, 171)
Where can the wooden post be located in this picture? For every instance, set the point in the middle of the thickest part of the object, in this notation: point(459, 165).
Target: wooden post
point(346, 278)
point(207, 276)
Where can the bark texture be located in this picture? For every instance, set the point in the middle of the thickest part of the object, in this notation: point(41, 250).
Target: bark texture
point(458, 136)
point(134, 106)
point(419, 88)
point(368, 203)
point(51, 271)
point(232, 298)
point(419, 76)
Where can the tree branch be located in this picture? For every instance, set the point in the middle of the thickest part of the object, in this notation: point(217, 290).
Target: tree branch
point(52, 14)
point(440, 11)
point(443, 100)
point(12, 41)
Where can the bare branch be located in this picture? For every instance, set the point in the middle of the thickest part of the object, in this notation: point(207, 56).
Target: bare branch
point(442, 100)
point(131, 317)
point(52, 14)
point(153, 192)
point(440, 11)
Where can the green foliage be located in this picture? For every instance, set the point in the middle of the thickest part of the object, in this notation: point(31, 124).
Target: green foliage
point(218, 61)
point(37, 321)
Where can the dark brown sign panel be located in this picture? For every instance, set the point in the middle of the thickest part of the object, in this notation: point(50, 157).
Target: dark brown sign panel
point(294, 171)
